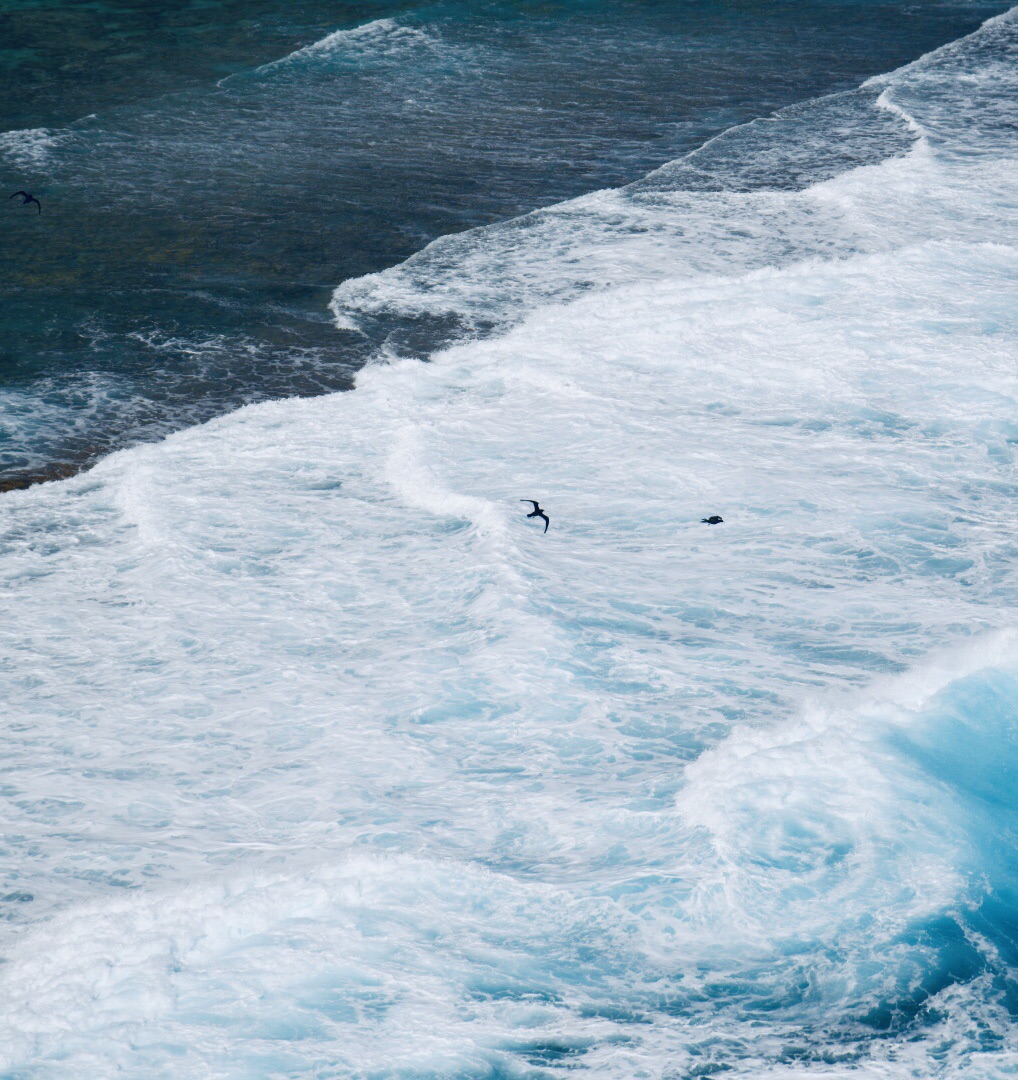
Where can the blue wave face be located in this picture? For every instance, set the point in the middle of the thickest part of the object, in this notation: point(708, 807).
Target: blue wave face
point(190, 242)
point(321, 759)
point(967, 748)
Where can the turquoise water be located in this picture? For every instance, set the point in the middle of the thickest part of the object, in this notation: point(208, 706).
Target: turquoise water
point(321, 760)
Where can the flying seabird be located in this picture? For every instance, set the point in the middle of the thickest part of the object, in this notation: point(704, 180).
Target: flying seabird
point(538, 512)
point(26, 198)
point(714, 519)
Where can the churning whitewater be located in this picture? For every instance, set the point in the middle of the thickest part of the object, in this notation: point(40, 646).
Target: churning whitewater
point(322, 761)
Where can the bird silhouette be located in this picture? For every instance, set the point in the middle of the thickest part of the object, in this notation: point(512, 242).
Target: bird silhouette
point(538, 512)
point(714, 519)
point(26, 198)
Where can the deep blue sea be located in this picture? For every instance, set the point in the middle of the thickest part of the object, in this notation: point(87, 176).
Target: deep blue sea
point(321, 760)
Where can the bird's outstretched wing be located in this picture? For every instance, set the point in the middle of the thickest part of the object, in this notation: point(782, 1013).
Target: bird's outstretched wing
point(532, 502)
point(24, 194)
point(33, 200)
point(546, 521)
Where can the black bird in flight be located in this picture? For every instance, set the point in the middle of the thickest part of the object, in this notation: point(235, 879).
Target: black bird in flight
point(26, 198)
point(538, 512)
point(714, 519)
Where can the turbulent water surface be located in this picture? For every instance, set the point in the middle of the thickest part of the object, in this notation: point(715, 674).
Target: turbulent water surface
point(190, 241)
point(319, 759)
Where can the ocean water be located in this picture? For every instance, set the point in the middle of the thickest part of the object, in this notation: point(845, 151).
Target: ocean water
point(322, 761)
point(211, 172)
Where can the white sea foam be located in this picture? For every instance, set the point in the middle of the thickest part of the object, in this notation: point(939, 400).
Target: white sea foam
point(320, 760)
point(30, 148)
point(381, 37)
point(662, 228)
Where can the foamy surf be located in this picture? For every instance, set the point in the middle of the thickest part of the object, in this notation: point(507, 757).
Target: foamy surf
point(380, 37)
point(323, 761)
point(29, 148)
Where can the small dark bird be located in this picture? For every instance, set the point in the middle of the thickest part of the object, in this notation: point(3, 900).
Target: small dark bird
point(538, 512)
point(714, 519)
point(26, 198)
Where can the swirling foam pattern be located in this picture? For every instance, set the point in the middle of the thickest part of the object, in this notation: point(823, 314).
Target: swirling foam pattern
point(322, 761)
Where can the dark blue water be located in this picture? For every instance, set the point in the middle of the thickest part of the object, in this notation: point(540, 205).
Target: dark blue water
point(199, 206)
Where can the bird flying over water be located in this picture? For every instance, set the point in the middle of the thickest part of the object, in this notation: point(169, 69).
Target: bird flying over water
point(714, 519)
point(26, 198)
point(538, 512)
